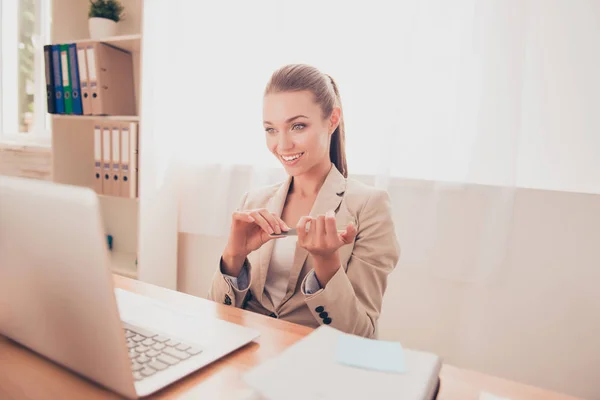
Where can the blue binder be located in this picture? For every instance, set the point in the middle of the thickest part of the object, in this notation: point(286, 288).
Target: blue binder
point(75, 87)
point(58, 80)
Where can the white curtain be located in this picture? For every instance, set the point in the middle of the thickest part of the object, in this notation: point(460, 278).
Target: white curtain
point(452, 93)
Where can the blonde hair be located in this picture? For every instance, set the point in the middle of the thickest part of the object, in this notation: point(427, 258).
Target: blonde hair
point(299, 77)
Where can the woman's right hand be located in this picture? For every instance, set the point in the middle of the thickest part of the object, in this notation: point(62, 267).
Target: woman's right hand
point(250, 229)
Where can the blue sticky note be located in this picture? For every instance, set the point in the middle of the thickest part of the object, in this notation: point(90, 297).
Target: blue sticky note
point(378, 355)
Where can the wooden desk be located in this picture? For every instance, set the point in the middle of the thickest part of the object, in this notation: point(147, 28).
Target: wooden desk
point(24, 375)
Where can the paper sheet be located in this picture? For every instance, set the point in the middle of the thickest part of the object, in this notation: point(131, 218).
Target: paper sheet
point(377, 355)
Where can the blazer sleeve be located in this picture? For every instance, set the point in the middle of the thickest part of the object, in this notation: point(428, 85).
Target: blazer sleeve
point(222, 289)
point(351, 301)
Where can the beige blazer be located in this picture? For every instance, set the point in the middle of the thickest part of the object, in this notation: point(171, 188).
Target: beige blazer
point(351, 301)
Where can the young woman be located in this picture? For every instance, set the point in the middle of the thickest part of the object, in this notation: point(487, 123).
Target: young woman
point(334, 272)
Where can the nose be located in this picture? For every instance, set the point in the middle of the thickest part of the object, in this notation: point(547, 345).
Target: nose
point(285, 143)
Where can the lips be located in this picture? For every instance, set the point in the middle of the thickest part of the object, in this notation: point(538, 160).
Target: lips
point(291, 159)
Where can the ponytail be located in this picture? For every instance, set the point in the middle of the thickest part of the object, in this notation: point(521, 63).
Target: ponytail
point(337, 147)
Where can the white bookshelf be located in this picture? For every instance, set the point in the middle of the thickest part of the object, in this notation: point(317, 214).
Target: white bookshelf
point(124, 264)
point(131, 43)
point(73, 137)
point(129, 118)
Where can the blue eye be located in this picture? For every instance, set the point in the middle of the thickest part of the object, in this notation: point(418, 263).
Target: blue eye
point(270, 130)
point(298, 127)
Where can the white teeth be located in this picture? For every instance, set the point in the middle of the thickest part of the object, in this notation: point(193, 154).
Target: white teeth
point(292, 158)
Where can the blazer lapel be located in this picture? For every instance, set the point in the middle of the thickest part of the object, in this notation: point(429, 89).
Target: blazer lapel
point(329, 198)
point(275, 205)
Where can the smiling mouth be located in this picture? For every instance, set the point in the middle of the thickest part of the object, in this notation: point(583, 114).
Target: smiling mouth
point(291, 159)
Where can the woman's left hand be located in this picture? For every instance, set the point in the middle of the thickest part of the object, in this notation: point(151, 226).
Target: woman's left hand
point(322, 240)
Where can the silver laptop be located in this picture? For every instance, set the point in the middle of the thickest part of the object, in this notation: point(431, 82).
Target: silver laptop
point(57, 297)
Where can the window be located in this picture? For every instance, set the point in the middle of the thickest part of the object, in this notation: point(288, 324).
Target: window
point(492, 92)
point(24, 29)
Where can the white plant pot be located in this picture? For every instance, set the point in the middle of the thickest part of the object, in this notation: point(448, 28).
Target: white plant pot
point(101, 28)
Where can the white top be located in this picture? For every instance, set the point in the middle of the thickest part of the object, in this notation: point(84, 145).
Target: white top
point(278, 276)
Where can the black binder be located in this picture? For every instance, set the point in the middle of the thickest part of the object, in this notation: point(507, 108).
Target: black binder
point(49, 79)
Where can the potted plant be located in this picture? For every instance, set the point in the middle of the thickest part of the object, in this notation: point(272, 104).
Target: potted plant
point(103, 18)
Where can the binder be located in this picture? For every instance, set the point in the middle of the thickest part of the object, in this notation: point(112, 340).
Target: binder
point(135, 160)
point(48, 63)
point(98, 178)
point(110, 73)
point(74, 70)
point(125, 162)
point(129, 160)
point(66, 78)
point(116, 160)
point(86, 104)
point(90, 53)
point(59, 102)
point(107, 187)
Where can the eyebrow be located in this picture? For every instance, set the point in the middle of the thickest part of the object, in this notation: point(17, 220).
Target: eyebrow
point(289, 119)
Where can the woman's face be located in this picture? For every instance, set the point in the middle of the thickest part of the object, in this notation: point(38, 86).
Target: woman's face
point(296, 131)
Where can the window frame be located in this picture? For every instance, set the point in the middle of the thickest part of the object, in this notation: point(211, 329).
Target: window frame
point(40, 133)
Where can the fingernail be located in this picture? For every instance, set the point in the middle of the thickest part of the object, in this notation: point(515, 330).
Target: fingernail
point(330, 213)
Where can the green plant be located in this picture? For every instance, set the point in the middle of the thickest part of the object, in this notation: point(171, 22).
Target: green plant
point(109, 9)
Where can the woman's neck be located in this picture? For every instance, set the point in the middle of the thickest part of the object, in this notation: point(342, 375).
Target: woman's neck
point(309, 183)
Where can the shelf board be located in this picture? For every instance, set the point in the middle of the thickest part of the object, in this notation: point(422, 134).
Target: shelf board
point(130, 43)
point(133, 118)
point(107, 197)
point(124, 264)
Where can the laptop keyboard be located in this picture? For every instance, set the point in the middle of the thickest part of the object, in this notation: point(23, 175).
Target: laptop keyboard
point(150, 353)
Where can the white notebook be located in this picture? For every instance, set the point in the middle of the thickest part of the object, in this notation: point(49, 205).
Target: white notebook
point(309, 370)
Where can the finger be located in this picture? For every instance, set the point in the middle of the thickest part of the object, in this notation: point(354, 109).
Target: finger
point(349, 234)
point(262, 222)
point(301, 229)
point(284, 227)
point(242, 216)
point(270, 220)
point(312, 229)
point(320, 233)
point(330, 224)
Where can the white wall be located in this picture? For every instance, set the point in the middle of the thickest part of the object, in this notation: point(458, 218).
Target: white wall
point(534, 317)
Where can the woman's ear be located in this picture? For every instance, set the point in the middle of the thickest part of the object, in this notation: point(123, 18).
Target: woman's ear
point(334, 120)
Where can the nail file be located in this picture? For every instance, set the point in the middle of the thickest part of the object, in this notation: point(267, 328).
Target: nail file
point(293, 232)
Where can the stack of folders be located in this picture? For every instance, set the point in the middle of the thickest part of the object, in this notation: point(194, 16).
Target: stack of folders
point(90, 78)
point(116, 158)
